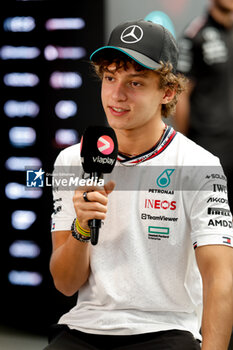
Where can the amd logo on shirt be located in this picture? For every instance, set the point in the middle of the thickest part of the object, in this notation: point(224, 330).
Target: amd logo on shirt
point(222, 223)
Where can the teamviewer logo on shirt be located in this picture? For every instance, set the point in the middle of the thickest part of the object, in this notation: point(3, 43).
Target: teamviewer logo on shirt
point(35, 178)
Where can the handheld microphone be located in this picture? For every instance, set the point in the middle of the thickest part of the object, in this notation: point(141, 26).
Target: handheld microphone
point(99, 150)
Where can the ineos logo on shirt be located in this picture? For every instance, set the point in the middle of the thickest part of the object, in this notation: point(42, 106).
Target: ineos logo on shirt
point(105, 145)
point(157, 204)
point(132, 34)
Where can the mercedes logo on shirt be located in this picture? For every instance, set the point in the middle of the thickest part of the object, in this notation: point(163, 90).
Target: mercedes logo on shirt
point(132, 34)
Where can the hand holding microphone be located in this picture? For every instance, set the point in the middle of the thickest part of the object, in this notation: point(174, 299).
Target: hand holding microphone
point(98, 155)
point(94, 207)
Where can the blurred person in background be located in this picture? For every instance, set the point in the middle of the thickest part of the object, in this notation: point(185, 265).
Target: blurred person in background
point(205, 111)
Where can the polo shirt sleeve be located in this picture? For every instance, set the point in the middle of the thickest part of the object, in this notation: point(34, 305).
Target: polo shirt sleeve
point(63, 208)
point(209, 212)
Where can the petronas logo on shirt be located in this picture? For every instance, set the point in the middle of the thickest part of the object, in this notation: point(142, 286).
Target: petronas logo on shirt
point(164, 179)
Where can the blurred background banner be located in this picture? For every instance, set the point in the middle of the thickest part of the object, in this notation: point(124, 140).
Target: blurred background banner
point(48, 97)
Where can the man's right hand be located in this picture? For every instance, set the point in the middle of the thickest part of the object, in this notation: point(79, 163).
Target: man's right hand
point(95, 207)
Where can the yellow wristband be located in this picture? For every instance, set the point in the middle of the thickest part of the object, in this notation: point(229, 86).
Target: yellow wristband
point(81, 230)
point(78, 235)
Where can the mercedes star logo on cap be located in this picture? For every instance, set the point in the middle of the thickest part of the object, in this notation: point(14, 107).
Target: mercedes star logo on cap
point(132, 34)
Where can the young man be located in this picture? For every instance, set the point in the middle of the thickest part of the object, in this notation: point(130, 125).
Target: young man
point(140, 287)
point(205, 111)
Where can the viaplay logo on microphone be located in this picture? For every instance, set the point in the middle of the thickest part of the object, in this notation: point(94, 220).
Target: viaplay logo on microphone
point(105, 145)
point(99, 150)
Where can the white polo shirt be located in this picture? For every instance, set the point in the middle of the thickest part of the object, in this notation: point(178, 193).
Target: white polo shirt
point(144, 277)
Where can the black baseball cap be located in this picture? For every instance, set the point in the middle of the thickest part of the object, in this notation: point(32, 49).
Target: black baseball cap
point(145, 42)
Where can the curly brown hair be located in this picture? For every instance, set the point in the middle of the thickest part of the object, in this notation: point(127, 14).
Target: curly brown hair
point(168, 79)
